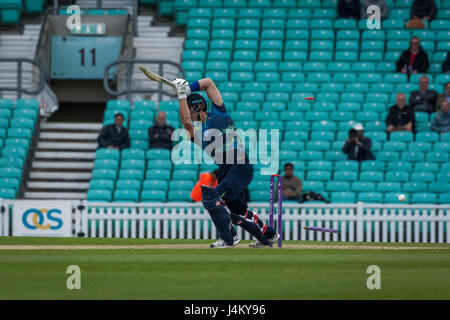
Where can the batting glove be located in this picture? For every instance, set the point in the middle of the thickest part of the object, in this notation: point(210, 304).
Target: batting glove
point(182, 88)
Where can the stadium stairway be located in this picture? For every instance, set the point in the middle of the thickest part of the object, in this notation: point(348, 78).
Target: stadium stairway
point(155, 43)
point(18, 46)
point(62, 165)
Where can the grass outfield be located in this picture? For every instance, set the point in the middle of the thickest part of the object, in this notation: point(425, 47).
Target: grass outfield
point(179, 273)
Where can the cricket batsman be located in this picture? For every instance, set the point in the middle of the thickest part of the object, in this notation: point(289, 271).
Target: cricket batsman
point(226, 203)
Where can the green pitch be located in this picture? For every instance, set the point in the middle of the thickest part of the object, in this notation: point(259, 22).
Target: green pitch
point(235, 273)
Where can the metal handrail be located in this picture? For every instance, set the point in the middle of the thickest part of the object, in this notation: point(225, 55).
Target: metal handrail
point(44, 23)
point(124, 36)
point(19, 88)
point(128, 71)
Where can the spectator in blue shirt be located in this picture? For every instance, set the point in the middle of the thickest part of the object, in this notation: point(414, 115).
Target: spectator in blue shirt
point(441, 121)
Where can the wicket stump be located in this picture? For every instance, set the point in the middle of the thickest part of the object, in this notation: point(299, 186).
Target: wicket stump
point(280, 206)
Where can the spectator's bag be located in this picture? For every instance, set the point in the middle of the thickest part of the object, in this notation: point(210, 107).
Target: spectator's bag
point(416, 24)
point(312, 196)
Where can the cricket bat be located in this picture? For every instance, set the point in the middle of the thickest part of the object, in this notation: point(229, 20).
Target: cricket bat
point(156, 77)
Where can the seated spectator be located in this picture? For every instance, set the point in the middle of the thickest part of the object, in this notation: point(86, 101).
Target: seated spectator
point(446, 64)
point(441, 121)
point(114, 135)
point(292, 185)
point(423, 100)
point(445, 96)
point(414, 59)
point(380, 3)
point(401, 116)
point(206, 178)
point(348, 9)
point(424, 10)
point(357, 146)
point(160, 134)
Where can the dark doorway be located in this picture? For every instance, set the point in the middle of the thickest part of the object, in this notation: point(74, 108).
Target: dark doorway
point(79, 112)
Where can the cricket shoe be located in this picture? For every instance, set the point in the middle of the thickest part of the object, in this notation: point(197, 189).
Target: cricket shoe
point(259, 244)
point(222, 244)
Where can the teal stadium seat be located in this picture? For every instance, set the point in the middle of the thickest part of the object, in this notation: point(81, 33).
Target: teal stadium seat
point(439, 187)
point(99, 195)
point(101, 184)
point(426, 167)
point(397, 176)
point(412, 187)
point(132, 154)
point(316, 186)
point(444, 198)
point(155, 184)
point(105, 153)
point(132, 164)
point(106, 164)
point(413, 156)
point(443, 176)
point(10, 12)
point(104, 174)
point(424, 198)
point(128, 184)
point(181, 185)
point(441, 147)
point(343, 197)
point(371, 176)
point(344, 175)
point(162, 174)
point(125, 195)
point(400, 166)
point(370, 197)
point(392, 197)
point(362, 186)
point(426, 177)
point(134, 174)
point(337, 186)
point(179, 196)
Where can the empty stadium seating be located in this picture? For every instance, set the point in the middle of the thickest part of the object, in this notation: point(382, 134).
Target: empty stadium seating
point(17, 125)
point(11, 10)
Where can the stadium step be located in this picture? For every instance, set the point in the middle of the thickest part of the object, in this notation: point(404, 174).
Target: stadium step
point(63, 165)
point(45, 185)
point(62, 175)
point(18, 46)
point(69, 126)
point(63, 162)
point(67, 145)
point(55, 196)
point(65, 155)
point(68, 136)
point(155, 41)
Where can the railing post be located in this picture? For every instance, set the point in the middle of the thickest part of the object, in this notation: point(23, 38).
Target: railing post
point(135, 15)
point(2, 214)
point(79, 211)
point(160, 70)
point(7, 227)
point(99, 4)
point(128, 79)
point(359, 222)
point(19, 80)
point(84, 219)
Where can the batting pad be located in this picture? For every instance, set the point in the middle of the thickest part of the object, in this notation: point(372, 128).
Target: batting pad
point(219, 215)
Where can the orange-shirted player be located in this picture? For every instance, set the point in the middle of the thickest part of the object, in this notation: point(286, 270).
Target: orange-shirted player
point(207, 179)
